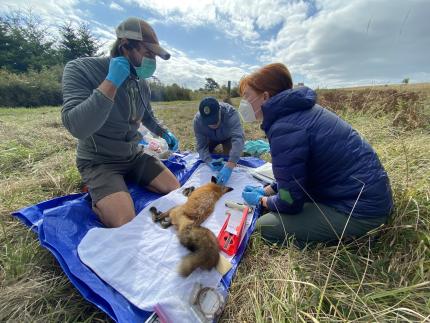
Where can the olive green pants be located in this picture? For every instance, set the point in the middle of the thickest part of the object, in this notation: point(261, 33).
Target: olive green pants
point(316, 223)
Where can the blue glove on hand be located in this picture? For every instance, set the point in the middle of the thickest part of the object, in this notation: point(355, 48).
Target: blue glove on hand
point(119, 70)
point(171, 140)
point(224, 175)
point(252, 198)
point(258, 189)
point(216, 164)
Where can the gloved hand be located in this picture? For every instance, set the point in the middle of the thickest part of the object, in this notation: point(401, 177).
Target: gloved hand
point(250, 188)
point(216, 164)
point(252, 198)
point(224, 175)
point(171, 140)
point(119, 70)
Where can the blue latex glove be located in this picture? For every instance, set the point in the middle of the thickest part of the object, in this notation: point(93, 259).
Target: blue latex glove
point(171, 140)
point(250, 188)
point(252, 198)
point(224, 175)
point(119, 70)
point(216, 164)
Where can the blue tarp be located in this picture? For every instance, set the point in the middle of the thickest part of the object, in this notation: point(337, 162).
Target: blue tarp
point(61, 224)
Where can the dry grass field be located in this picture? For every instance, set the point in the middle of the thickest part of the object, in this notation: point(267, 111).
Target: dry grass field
point(385, 276)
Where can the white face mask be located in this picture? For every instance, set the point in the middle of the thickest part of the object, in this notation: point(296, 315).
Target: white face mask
point(246, 111)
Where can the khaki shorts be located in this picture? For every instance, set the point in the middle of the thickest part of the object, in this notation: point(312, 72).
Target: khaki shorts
point(108, 178)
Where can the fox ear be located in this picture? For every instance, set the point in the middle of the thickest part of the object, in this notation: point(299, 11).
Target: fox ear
point(213, 179)
point(228, 189)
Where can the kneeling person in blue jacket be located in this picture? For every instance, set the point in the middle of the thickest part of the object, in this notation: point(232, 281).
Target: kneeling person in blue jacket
point(218, 124)
point(329, 180)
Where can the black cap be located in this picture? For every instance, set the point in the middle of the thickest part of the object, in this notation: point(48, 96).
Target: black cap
point(209, 111)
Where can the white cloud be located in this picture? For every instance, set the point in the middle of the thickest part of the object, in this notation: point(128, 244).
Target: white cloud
point(360, 41)
point(342, 43)
point(191, 73)
point(180, 69)
point(235, 18)
point(356, 42)
point(54, 12)
point(116, 6)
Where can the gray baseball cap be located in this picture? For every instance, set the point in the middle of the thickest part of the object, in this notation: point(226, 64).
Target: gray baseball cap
point(139, 29)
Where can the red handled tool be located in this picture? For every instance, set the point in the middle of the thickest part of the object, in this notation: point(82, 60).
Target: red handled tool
point(227, 241)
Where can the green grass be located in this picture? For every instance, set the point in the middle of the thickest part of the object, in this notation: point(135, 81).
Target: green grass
point(366, 281)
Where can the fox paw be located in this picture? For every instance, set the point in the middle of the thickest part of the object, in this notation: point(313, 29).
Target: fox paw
point(165, 223)
point(155, 214)
point(188, 190)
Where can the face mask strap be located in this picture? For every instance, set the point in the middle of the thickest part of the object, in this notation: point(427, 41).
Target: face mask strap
point(246, 111)
point(250, 104)
point(256, 98)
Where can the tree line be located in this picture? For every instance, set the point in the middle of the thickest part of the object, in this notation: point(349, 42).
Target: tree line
point(26, 45)
point(32, 60)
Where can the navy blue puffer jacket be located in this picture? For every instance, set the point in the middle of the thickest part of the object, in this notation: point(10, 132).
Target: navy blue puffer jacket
point(318, 156)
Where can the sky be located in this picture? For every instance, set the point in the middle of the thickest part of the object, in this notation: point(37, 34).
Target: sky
point(324, 43)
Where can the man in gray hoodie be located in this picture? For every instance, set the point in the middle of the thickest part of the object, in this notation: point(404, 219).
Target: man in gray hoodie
point(218, 124)
point(104, 101)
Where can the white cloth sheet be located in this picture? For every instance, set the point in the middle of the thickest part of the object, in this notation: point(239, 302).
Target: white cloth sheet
point(140, 258)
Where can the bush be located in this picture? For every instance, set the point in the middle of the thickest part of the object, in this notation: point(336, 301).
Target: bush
point(174, 92)
point(31, 89)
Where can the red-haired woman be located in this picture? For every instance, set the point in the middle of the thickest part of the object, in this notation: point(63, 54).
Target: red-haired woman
point(329, 181)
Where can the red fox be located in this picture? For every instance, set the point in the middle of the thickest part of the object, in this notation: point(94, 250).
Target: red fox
point(187, 219)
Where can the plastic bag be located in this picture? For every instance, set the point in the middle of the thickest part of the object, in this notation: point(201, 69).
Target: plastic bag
point(154, 145)
point(256, 147)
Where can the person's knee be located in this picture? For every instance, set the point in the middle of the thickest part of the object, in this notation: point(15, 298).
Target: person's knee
point(268, 228)
point(115, 209)
point(169, 186)
point(111, 220)
point(122, 219)
point(174, 185)
point(273, 236)
point(276, 229)
point(165, 183)
point(268, 236)
point(279, 238)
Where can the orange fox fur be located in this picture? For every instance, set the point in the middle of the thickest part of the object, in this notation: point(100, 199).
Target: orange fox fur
point(187, 219)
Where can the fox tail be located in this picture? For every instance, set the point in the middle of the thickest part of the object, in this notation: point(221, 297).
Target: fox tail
point(203, 246)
